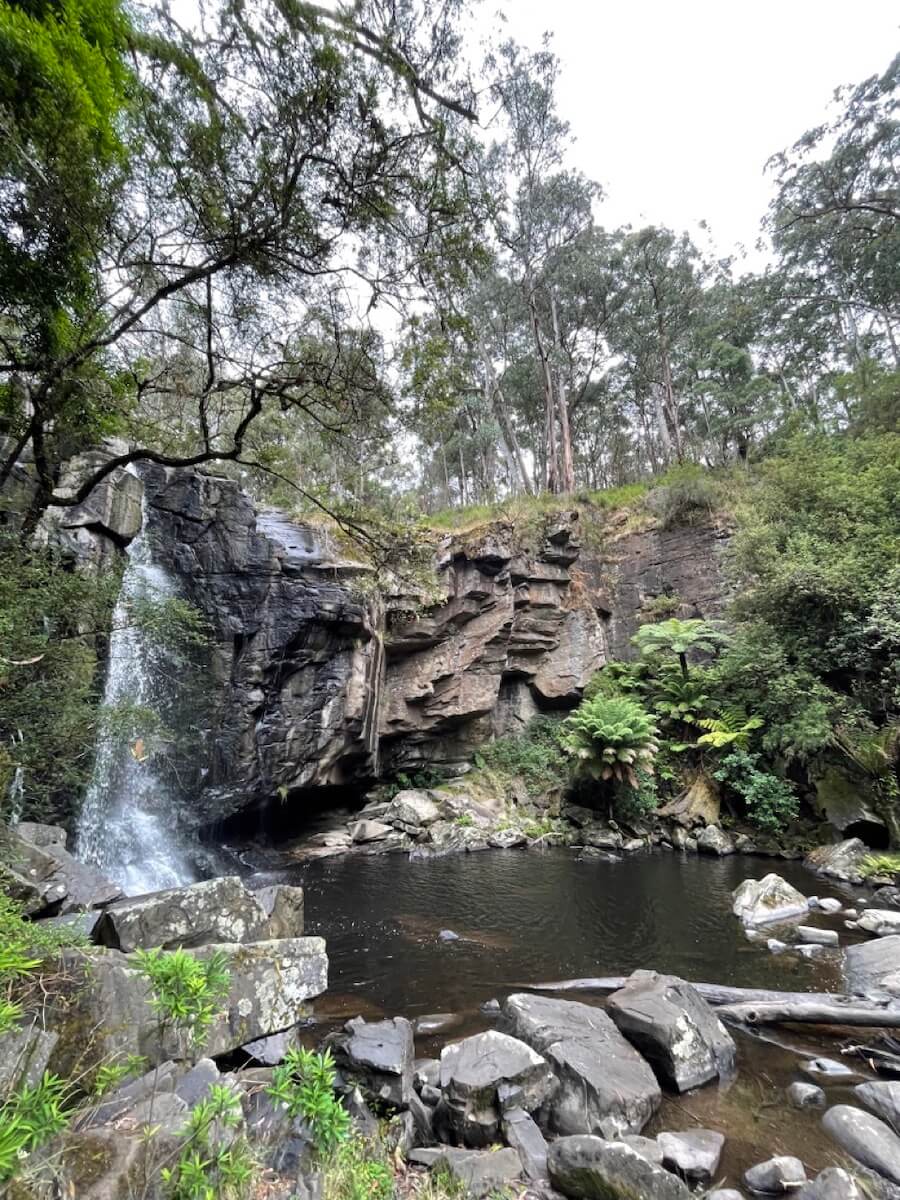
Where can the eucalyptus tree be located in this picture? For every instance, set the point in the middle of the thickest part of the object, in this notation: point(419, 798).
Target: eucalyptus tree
point(835, 220)
point(278, 159)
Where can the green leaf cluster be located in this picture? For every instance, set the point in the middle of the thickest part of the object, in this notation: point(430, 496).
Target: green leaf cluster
point(610, 738)
point(30, 1117)
point(187, 993)
point(212, 1164)
point(304, 1085)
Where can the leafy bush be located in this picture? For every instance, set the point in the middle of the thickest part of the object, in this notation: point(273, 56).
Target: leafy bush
point(30, 1117)
point(186, 993)
point(611, 738)
point(687, 496)
point(880, 864)
point(211, 1165)
point(535, 755)
point(304, 1085)
point(771, 802)
point(24, 947)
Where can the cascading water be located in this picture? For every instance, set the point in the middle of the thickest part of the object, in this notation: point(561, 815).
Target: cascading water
point(128, 821)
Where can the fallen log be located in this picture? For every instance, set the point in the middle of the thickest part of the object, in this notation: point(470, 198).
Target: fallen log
point(713, 993)
point(811, 1013)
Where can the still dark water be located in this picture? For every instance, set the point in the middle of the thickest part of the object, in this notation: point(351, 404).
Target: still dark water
point(525, 918)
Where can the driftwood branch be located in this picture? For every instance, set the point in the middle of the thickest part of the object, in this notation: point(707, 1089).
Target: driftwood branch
point(812, 1014)
point(713, 993)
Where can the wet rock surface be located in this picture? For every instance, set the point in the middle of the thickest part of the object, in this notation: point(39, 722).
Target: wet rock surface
point(768, 900)
point(674, 1027)
point(605, 1086)
point(583, 1166)
point(379, 1056)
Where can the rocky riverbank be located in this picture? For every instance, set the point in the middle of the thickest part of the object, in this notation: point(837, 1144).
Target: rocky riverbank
point(574, 1092)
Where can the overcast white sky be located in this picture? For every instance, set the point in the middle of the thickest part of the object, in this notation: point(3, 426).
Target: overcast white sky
point(677, 105)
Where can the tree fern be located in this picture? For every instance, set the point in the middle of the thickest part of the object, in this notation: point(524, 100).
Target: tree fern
point(610, 737)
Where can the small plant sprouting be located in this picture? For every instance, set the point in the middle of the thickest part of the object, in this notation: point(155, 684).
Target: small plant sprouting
point(30, 1117)
point(212, 1164)
point(304, 1085)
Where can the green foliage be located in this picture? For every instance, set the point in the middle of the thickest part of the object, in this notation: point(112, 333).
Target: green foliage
point(211, 1163)
point(465, 820)
point(611, 738)
point(50, 622)
point(110, 1075)
point(680, 638)
point(304, 1085)
point(186, 992)
point(733, 728)
point(771, 802)
point(685, 496)
point(880, 864)
point(355, 1170)
point(24, 948)
point(30, 1117)
point(534, 755)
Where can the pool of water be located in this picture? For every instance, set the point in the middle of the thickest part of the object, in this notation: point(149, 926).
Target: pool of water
point(528, 918)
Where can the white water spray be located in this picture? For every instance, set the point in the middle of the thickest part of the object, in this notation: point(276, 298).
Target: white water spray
point(128, 821)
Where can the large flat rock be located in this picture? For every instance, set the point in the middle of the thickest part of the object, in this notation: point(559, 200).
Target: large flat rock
point(605, 1086)
point(589, 1168)
point(216, 910)
point(873, 968)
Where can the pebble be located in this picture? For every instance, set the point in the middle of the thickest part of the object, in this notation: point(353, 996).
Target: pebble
point(818, 937)
point(806, 1095)
point(828, 1068)
point(447, 935)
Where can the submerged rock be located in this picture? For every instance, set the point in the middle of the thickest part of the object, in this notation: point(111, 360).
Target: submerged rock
point(483, 1075)
point(605, 1086)
point(763, 901)
point(673, 1026)
point(379, 1056)
point(216, 910)
point(588, 1168)
point(806, 1095)
point(834, 1183)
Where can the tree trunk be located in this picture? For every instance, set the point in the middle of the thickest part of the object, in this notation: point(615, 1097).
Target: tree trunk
point(551, 464)
point(508, 434)
point(813, 1012)
point(567, 465)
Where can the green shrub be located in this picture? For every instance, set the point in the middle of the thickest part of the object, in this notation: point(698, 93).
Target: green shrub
point(211, 1165)
point(24, 947)
point(611, 739)
point(686, 496)
point(880, 864)
point(771, 802)
point(304, 1085)
point(535, 755)
point(29, 1118)
point(186, 993)
point(356, 1170)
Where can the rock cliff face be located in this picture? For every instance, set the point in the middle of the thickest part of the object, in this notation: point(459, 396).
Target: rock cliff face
point(294, 672)
point(313, 681)
point(313, 684)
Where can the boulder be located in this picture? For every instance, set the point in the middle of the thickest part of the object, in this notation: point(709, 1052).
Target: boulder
point(865, 1138)
point(880, 921)
point(24, 1055)
point(104, 1011)
point(784, 1173)
point(673, 1026)
point(42, 835)
point(694, 1155)
point(103, 1164)
point(369, 831)
point(841, 861)
point(522, 1134)
point(507, 839)
point(412, 808)
point(881, 1097)
point(479, 1172)
point(271, 1050)
point(216, 910)
point(873, 968)
point(762, 901)
point(830, 904)
point(605, 1086)
point(378, 1056)
point(47, 879)
point(648, 1148)
point(482, 1075)
point(584, 1166)
point(713, 840)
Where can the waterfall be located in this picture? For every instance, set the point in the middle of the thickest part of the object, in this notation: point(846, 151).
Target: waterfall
point(128, 822)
